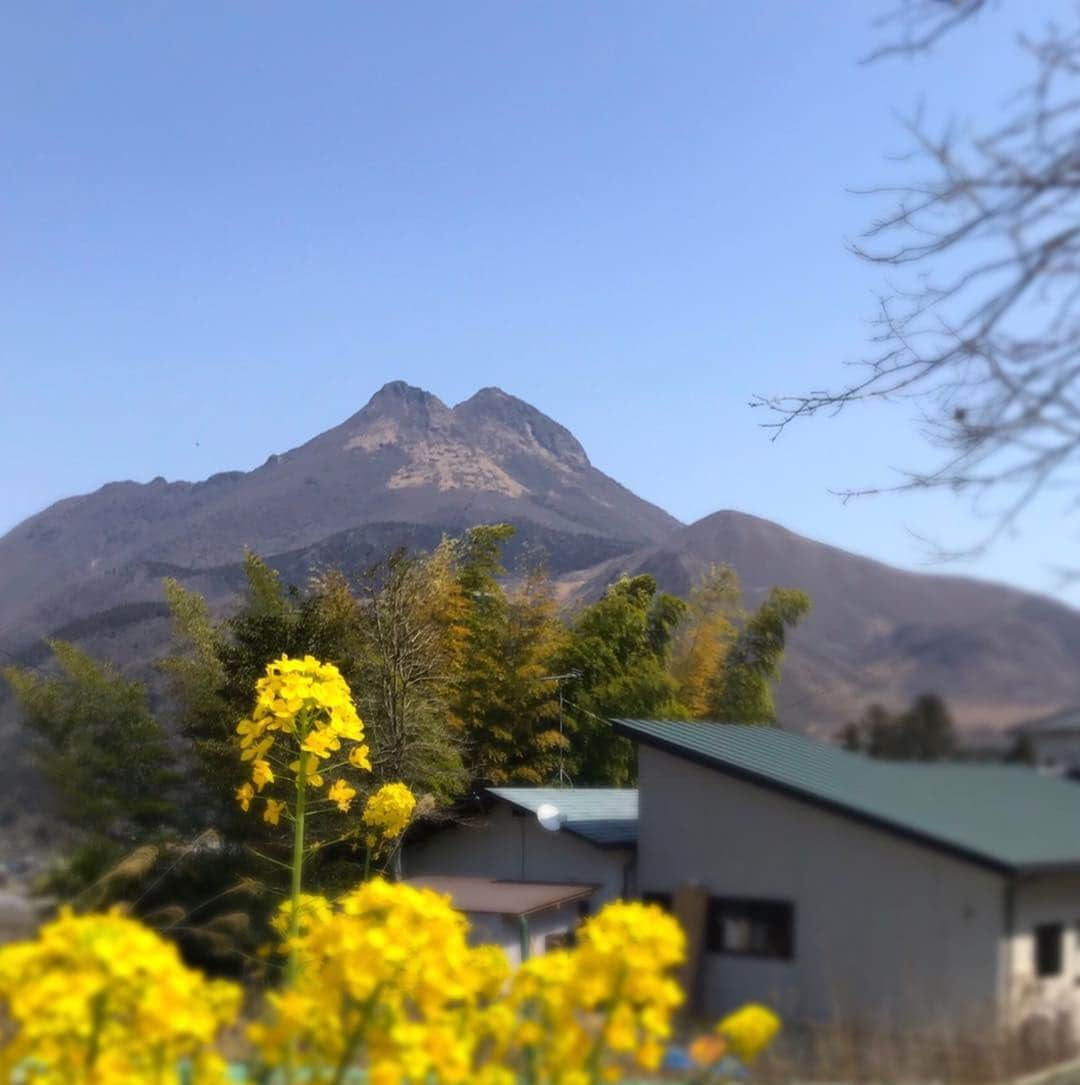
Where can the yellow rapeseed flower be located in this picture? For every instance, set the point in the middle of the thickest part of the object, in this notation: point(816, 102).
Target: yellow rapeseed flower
point(387, 813)
point(100, 998)
point(342, 794)
point(749, 1030)
point(307, 705)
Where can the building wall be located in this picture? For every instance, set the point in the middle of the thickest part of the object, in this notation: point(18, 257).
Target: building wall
point(500, 845)
point(1045, 900)
point(1056, 751)
point(884, 929)
point(505, 931)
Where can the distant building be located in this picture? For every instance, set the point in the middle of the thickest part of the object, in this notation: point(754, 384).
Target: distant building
point(832, 885)
point(525, 918)
point(822, 882)
point(595, 844)
point(1054, 742)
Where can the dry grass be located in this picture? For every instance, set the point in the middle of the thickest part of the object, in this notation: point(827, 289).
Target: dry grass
point(953, 1054)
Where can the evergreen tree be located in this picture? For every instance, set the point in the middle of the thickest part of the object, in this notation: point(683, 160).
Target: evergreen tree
point(508, 642)
point(924, 732)
point(742, 689)
point(102, 752)
point(704, 637)
point(620, 646)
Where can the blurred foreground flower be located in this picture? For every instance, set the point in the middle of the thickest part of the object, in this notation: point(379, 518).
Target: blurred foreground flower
point(101, 999)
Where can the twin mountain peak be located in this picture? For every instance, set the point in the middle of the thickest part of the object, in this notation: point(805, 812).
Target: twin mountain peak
point(406, 468)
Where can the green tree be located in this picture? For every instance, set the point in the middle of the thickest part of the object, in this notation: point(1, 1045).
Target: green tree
point(508, 640)
point(404, 679)
point(924, 732)
point(620, 648)
point(386, 637)
point(742, 688)
point(100, 749)
point(704, 637)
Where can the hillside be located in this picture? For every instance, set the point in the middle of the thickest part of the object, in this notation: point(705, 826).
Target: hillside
point(879, 633)
point(406, 468)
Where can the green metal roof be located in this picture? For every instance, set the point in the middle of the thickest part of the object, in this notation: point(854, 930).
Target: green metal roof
point(1009, 818)
point(605, 816)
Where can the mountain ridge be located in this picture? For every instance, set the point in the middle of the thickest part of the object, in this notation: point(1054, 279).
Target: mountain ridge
point(405, 468)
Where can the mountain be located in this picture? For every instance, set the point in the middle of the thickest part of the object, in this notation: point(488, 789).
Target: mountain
point(407, 468)
point(402, 470)
point(877, 633)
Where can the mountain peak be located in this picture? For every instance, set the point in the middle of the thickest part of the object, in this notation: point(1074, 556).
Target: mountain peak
point(401, 398)
point(497, 418)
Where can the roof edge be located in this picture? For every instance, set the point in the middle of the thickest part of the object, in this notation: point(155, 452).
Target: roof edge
point(606, 846)
point(955, 851)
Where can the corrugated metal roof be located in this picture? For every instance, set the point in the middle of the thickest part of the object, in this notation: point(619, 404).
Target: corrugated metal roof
point(605, 816)
point(1010, 818)
point(497, 897)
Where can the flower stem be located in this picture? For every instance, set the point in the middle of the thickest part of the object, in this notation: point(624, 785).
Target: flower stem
point(297, 865)
point(292, 967)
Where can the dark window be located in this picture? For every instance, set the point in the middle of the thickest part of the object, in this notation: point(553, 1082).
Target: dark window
point(751, 928)
point(1048, 940)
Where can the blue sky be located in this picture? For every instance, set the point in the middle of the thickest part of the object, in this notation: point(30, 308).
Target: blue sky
point(224, 227)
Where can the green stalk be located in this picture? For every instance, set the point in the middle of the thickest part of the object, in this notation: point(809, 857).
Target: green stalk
point(292, 967)
point(297, 866)
point(592, 1064)
point(97, 1019)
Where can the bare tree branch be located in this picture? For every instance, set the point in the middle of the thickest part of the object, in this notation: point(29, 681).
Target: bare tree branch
point(982, 330)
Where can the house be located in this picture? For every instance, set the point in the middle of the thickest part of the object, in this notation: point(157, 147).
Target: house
point(831, 885)
point(525, 918)
point(593, 842)
point(1054, 741)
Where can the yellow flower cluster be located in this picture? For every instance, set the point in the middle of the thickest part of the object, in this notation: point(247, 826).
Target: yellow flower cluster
point(386, 979)
point(307, 705)
point(388, 973)
point(620, 975)
point(102, 1000)
point(744, 1034)
point(387, 813)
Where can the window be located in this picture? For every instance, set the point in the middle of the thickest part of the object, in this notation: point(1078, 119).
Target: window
point(751, 928)
point(1048, 945)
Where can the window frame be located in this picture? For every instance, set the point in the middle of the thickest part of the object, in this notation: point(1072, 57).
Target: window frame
point(1049, 956)
point(754, 910)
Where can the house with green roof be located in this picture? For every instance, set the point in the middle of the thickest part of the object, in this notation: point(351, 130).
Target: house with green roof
point(587, 836)
point(831, 885)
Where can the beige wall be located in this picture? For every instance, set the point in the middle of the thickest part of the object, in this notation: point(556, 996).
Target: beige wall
point(499, 845)
point(884, 929)
point(1037, 900)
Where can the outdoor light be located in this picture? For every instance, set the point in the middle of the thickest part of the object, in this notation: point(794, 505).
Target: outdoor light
point(547, 813)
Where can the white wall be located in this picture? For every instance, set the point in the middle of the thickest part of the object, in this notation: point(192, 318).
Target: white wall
point(884, 929)
point(505, 931)
point(500, 845)
point(1049, 899)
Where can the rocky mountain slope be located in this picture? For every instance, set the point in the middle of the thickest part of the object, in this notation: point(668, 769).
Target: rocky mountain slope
point(877, 633)
point(406, 468)
point(403, 469)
